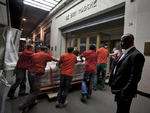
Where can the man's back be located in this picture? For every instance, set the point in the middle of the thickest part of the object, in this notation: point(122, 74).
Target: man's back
point(90, 60)
point(39, 61)
point(24, 59)
point(102, 55)
point(67, 60)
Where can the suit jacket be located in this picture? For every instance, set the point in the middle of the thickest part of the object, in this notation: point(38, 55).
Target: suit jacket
point(127, 74)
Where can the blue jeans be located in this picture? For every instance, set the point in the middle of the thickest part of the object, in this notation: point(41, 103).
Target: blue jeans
point(65, 82)
point(87, 85)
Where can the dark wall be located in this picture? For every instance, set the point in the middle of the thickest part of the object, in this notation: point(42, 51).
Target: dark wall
point(16, 9)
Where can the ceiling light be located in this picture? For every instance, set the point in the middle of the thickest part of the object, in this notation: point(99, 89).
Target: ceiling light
point(42, 4)
point(36, 4)
point(51, 1)
point(27, 3)
point(24, 19)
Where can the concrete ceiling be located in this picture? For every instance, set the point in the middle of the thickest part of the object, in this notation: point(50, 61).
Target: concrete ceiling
point(33, 16)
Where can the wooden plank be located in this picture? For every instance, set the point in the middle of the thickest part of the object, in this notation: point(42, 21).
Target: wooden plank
point(56, 86)
point(52, 95)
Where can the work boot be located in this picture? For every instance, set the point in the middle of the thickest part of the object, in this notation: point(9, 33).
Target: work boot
point(65, 104)
point(23, 110)
point(59, 105)
point(88, 96)
point(23, 94)
point(12, 97)
point(83, 99)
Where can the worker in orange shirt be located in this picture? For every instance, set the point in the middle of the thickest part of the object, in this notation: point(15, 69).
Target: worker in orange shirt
point(21, 67)
point(102, 54)
point(36, 70)
point(67, 62)
point(89, 72)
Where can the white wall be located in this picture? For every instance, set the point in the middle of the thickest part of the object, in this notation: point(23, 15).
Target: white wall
point(3, 13)
point(59, 20)
point(100, 6)
point(137, 22)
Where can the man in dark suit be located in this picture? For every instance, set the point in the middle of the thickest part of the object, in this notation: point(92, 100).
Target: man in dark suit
point(126, 74)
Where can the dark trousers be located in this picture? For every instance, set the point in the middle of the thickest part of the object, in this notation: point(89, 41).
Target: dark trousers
point(87, 85)
point(34, 81)
point(123, 106)
point(100, 68)
point(65, 82)
point(20, 80)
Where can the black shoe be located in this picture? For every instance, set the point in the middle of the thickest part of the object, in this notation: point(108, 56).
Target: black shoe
point(94, 89)
point(88, 97)
point(23, 94)
point(22, 109)
point(25, 110)
point(12, 97)
point(65, 104)
point(83, 99)
point(33, 104)
point(102, 89)
point(59, 105)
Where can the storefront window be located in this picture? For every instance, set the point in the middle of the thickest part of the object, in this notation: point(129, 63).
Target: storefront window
point(47, 37)
point(83, 45)
point(75, 42)
point(68, 42)
point(93, 40)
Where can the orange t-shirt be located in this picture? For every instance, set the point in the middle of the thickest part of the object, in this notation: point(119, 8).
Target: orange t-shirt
point(38, 62)
point(67, 60)
point(90, 61)
point(24, 60)
point(102, 55)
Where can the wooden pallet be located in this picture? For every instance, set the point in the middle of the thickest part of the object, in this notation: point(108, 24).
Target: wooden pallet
point(51, 90)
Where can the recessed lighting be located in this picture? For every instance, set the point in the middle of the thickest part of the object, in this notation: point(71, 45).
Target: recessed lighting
point(24, 19)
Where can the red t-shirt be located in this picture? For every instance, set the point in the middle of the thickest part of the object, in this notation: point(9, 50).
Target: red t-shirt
point(39, 61)
point(90, 61)
point(24, 60)
point(102, 55)
point(68, 61)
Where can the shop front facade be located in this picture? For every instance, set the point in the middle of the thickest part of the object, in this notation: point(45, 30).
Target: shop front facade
point(80, 23)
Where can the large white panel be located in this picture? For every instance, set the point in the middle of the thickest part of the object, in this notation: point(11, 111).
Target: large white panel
point(3, 1)
point(3, 15)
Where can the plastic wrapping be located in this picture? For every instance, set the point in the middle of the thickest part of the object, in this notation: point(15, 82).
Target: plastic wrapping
point(3, 31)
point(52, 74)
point(12, 46)
point(9, 45)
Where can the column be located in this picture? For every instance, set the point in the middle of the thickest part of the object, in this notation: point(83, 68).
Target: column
point(87, 42)
point(72, 42)
point(98, 41)
point(78, 44)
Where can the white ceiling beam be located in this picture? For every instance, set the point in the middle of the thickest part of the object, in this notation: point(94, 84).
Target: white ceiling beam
point(37, 6)
point(45, 3)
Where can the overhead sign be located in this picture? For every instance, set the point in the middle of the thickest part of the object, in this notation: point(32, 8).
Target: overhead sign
point(82, 9)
